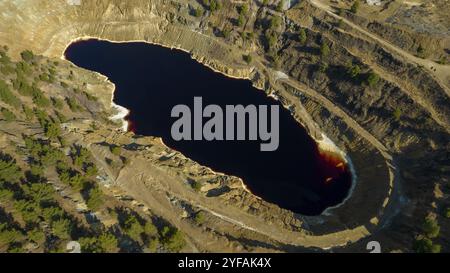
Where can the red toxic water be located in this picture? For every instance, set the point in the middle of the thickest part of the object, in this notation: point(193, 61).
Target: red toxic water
point(150, 80)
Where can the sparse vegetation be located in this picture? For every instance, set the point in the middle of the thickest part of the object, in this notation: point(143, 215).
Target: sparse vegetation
point(425, 245)
point(212, 5)
point(196, 185)
point(94, 197)
point(353, 71)
point(421, 51)
point(431, 227)
point(8, 115)
point(116, 150)
point(27, 55)
point(73, 104)
point(198, 12)
point(397, 114)
point(247, 58)
point(355, 6)
point(302, 36)
point(280, 6)
point(172, 239)
point(324, 49)
point(372, 79)
point(7, 96)
point(199, 217)
point(447, 213)
point(35, 214)
point(323, 67)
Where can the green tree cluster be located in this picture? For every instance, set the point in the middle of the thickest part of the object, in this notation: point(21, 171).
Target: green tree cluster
point(172, 239)
point(212, 5)
point(7, 96)
point(27, 55)
point(105, 243)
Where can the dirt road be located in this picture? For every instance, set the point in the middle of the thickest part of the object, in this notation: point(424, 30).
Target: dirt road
point(441, 73)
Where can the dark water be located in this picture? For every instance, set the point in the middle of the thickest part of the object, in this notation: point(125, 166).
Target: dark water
point(151, 79)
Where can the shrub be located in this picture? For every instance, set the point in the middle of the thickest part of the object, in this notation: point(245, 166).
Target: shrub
point(8, 236)
point(8, 115)
point(302, 36)
point(60, 117)
point(397, 114)
point(7, 96)
point(198, 12)
point(29, 115)
point(27, 55)
point(6, 70)
point(108, 242)
point(172, 239)
point(91, 170)
point(431, 227)
point(226, 32)
point(9, 171)
point(199, 217)
point(4, 58)
point(21, 85)
point(57, 103)
point(447, 213)
point(23, 68)
point(133, 228)
point(52, 130)
point(241, 20)
point(355, 7)
point(40, 99)
point(214, 5)
point(323, 67)
point(275, 22)
point(425, 245)
point(81, 156)
point(36, 235)
point(72, 178)
point(41, 193)
point(421, 51)
point(62, 228)
point(105, 243)
point(324, 49)
point(152, 244)
point(46, 78)
point(53, 213)
point(243, 9)
point(150, 229)
point(94, 198)
point(90, 245)
point(280, 5)
point(271, 38)
point(90, 97)
point(353, 71)
point(196, 185)
point(116, 150)
point(247, 58)
point(372, 79)
point(73, 105)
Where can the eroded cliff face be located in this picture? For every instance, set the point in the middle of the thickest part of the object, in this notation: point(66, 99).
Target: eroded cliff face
point(395, 132)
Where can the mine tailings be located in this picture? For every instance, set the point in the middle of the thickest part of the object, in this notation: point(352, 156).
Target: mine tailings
point(150, 80)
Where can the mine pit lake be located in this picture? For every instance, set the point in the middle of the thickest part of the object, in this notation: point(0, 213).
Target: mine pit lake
point(150, 80)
